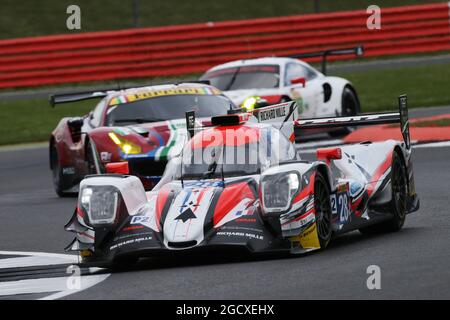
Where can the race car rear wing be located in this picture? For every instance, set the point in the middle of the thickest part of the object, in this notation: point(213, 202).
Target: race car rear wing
point(101, 93)
point(77, 96)
point(358, 51)
point(363, 120)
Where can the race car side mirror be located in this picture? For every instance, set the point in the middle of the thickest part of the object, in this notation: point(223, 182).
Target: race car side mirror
point(300, 80)
point(75, 124)
point(328, 154)
point(118, 168)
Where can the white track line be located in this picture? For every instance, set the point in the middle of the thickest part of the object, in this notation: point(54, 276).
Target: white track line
point(59, 286)
point(31, 261)
point(37, 254)
point(44, 285)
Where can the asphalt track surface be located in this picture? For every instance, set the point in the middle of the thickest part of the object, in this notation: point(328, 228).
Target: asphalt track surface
point(414, 262)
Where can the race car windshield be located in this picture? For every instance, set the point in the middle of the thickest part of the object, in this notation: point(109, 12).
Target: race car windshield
point(246, 77)
point(233, 152)
point(238, 161)
point(166, 108)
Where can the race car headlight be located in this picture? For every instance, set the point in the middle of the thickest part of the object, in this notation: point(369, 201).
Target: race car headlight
point(278, 191)
point(100, 203)
point(127, 146)
point(250, 103)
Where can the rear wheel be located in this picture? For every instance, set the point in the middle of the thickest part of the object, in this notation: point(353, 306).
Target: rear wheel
point(350, 107)
point(57, 174)
point(322, 206)
point(397, 204)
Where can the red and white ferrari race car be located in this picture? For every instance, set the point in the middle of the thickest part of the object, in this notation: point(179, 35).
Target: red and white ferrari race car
point(281, 79)
point(241, 183)
point(138, 125)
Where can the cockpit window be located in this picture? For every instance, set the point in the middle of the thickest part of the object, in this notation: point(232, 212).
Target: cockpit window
point(233, 151)
point(245, 77)
point(167, 108)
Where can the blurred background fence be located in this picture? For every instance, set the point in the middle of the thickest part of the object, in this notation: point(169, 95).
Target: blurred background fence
point(185, 49)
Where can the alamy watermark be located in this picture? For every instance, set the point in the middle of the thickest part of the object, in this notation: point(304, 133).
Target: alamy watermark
point(73, 282)
point(374, 280)
point(73, 21)
point(374, 19)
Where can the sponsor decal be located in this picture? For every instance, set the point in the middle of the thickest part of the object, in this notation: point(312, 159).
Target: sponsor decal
point(246, 220)
point(68, 170)
point(147, 221)
point(105, 156)
point(242, 228)
point(128, 242)
point(126, 236)
point(240, 234)
point(308, 239)
point(203, 184)
point(274, 113)
point(186, 215)
point(165, 92)
point(140, 220)
point(340, 203)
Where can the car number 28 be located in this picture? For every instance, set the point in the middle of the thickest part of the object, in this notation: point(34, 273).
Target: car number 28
point(340, 206)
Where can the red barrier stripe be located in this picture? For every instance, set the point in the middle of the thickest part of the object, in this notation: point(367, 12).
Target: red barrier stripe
point(253, 45)
point(219, 29)
point(177, 50)
point(142, 72)
point(379, 46)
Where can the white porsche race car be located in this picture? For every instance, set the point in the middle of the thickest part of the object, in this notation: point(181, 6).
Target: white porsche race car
point(257, 82)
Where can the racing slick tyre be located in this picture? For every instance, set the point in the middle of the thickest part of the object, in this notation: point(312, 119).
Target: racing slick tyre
point(397, 205)
point(322, 207)
point(350, 107)
point(57, 173)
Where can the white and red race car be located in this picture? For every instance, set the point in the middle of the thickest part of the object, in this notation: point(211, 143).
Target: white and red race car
point(239, 183)
point(281, 79)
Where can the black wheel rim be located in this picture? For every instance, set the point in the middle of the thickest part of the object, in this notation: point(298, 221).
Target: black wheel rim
point(349, 105)
point(399, 188)
point(323, 211)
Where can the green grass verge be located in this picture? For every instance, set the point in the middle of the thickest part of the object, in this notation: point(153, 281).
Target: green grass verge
point(32, 18)
point(425, 86)
point(33, 120)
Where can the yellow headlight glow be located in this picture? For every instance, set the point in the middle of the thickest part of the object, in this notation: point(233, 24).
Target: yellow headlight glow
point(126, 146)
point(250, 103)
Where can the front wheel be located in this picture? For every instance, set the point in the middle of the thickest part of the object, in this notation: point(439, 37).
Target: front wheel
point(397, 205)
point(322, 206)
point(57, 174)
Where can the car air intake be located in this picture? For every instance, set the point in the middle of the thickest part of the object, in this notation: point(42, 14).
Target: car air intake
point(147, 167)
point(181, 245)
